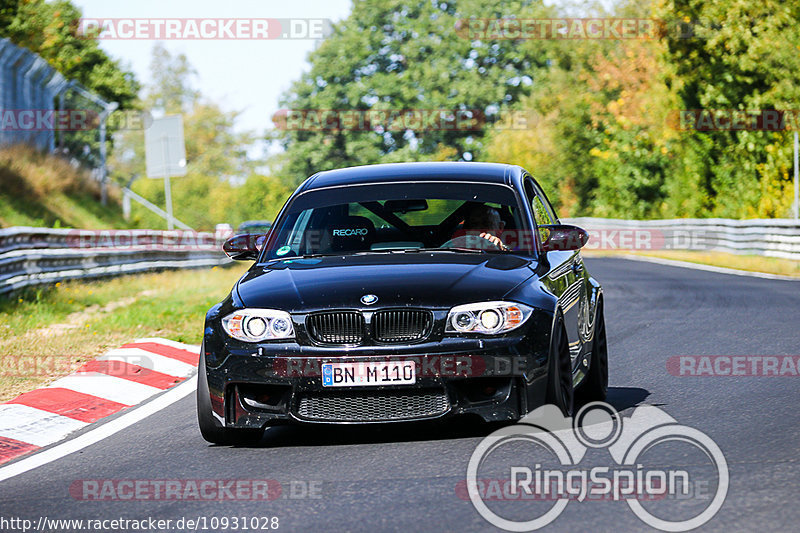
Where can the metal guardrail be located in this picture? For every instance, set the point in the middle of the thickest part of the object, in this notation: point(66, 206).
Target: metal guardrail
point(38, 256)
point(767, 237)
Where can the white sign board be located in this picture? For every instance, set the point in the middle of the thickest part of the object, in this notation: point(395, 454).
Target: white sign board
point(165, 152)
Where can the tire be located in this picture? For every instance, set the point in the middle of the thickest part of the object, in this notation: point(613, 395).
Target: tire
point(209, 426)
point(595, 385)
point(559, 376)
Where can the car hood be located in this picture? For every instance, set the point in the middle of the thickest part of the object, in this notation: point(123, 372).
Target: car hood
point(422, 279)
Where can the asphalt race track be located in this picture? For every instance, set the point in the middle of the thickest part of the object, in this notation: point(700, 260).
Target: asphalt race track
point(405, 478)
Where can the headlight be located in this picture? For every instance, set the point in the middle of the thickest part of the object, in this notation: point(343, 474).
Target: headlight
point(255, 325)
point(488, 318)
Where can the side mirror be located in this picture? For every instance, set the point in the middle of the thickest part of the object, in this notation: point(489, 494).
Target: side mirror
point(244, 247)
point(563, 237)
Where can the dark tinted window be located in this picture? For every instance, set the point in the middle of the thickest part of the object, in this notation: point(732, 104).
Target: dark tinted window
point(398, 216)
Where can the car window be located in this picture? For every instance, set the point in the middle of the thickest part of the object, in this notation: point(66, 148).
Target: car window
point(540, 207)
point(540, 211)
point(545, 204)
point(359, 210)
point(436, 212)
point(386, 217)
point(298, 230)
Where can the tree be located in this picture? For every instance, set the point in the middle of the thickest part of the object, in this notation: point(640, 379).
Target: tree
point(50, 29)
point(607, 139)
point(397, 55)
point(171, 90)
point(743, 56)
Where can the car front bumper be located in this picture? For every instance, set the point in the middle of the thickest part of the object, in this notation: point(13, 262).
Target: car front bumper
point(497, 379)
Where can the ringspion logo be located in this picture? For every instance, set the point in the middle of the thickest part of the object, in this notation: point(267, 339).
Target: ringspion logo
point(546, 491)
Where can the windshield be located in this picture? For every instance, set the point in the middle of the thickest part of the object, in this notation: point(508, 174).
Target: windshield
point(456, 217)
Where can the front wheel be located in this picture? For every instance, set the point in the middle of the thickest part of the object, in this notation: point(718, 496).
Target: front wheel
point(559, 380)
point(595, 385)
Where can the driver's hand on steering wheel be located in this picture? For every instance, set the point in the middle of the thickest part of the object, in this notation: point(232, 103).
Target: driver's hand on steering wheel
point(494, 240)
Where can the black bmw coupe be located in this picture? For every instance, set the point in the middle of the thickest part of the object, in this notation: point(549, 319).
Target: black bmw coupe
point(404, 292)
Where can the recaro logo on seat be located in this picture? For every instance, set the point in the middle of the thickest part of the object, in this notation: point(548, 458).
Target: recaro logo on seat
point(349, 232)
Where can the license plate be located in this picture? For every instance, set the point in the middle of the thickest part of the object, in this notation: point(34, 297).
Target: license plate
point(364, 374)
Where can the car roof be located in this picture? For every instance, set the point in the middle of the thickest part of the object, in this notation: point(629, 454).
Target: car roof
point(393, 172)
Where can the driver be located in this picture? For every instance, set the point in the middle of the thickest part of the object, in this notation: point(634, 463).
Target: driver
point(485, 220)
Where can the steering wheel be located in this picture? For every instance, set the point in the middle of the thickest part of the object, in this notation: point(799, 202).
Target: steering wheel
point(474, 242)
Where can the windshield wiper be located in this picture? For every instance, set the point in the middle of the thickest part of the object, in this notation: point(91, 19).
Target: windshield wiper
point(306, 256)
point(418, 250)
point(454, 249)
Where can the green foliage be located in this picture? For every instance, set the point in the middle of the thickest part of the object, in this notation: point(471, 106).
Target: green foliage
point(399, 55)
point(606, 137)
point(601, 133)
point(745, 57)
point(50, 30)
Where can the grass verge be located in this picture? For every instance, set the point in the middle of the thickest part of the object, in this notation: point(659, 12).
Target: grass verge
point(46, 333)
point(750, 263)
point(44, 190)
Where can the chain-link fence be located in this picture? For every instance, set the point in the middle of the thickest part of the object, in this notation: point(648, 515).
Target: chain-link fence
point(40, 107)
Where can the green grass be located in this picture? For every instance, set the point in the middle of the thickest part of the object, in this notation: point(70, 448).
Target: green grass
point(46, 333)
point(750, 263)
point(42, 190)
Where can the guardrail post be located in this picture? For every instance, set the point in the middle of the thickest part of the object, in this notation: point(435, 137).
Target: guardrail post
point(109, 108)
point(126, 205)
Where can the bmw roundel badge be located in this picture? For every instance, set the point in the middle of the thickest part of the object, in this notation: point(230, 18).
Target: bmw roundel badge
point(369, 299)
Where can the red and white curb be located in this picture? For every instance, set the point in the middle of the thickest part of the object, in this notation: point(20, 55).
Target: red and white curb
point(119, 379)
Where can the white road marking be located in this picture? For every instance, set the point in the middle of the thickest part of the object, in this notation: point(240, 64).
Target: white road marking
point(118, 390)
point(34, 426)
point(103, 431)
point(149, 360)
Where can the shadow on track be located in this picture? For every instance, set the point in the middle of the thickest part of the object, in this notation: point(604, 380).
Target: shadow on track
point(457, 428)
point(626, 397)
point(331, 435)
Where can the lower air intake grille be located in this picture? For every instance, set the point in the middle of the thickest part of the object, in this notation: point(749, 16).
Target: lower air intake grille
point(357, 406)
point(338, 327)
